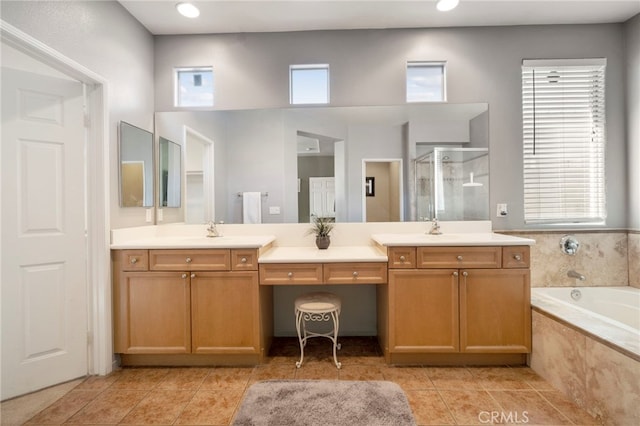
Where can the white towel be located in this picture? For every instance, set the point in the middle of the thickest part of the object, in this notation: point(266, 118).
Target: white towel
point(251, 207)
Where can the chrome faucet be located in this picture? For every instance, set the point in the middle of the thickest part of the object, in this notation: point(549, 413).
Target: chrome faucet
point(435, 227)
point(577, 275)
point(212, 230)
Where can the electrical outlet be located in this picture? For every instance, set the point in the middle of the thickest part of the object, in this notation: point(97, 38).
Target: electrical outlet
point(274, 210)
point(501, 210)
point(159, 215)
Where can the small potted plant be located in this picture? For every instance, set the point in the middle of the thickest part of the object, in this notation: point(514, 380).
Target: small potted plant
point(322, 227)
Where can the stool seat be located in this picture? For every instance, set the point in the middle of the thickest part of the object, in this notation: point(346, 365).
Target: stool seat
point(317, 307)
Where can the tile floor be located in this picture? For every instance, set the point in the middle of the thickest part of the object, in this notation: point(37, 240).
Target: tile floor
point(211, 396)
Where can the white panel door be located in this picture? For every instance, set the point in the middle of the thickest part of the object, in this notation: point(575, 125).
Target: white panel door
point(44, 253)
point(322, 197)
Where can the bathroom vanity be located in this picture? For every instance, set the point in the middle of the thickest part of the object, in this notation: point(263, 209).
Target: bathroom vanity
point(450, 299)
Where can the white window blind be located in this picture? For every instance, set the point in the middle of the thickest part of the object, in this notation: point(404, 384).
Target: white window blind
point(563, 114)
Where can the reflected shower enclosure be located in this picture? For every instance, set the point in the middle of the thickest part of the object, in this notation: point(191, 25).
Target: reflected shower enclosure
point(453, 184)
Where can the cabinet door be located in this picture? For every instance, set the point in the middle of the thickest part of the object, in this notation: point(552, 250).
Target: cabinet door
point(495, 311)
point(153, 314)
point(423, 311)
point(225, 312)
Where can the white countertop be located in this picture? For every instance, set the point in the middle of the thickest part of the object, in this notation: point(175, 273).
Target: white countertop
point(314, 255)
point(196, 242)
point(451, 239)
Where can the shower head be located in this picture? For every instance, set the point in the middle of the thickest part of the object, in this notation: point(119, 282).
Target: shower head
point(471, 182)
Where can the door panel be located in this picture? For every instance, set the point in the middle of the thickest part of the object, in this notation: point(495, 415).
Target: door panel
point(44, 250)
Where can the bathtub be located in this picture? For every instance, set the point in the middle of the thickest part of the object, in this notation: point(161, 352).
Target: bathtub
point(609, 314)
point(586, 344)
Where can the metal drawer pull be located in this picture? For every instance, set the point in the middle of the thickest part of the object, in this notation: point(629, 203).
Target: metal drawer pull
point(455, 274)
point(355, 274)
point(465, 273)
point(188, 259)
point(243, 260)
point(184, 276)
point(517, 257)
point(193, 275)
point(134, 260)
point(459, 258)
point(402, 258)
point(290, 274)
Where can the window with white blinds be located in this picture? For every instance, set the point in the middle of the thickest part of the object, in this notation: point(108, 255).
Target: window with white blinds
point(563, 115)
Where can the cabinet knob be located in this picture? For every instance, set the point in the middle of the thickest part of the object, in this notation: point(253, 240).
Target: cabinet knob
point(243, 260)
point(459, 257)
point(133, 260)
point(355, 274)
point(188, 260)
point(465, 274)
point(290, 274)
point(517, 257)
point(184, 276)
point(402, 258)
point(193, 275)
point(455, 274)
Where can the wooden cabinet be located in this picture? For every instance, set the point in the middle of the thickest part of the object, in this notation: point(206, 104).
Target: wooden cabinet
point(204, 301)
point(460, 300)
point(323, 273)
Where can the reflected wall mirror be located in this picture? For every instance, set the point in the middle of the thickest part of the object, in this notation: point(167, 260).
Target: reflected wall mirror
point(308, 159)
point(136, 166)
point(170, 173)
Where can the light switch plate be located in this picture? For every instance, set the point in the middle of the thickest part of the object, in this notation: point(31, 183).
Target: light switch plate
point(274, 210)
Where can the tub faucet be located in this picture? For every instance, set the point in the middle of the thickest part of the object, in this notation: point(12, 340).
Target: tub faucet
point(577, 275)
point(212, 231)
point(435, 227)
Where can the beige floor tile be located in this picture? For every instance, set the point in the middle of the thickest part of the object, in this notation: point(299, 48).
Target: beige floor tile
point(529, 407)
point(211, 408)
point(61, 410)
point(408, 378)
point(469, 407)
point(273, 372)
point(452, 378)
point(360, 372)
point(429, 408)
point(183, 379)
point(140, 378)
point(574, 413)
point(159, 407)
point(109, 407)
point(224, 378)
point(500, 378)
point(317, 370)
point(99, 382)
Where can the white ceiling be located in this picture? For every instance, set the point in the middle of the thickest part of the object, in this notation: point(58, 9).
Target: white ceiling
point(237, 16)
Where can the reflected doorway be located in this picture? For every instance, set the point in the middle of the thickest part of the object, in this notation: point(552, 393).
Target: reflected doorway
point(382, 194)
point(199, 188)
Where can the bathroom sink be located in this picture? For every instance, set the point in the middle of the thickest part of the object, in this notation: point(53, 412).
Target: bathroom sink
point(234, 241)
point(444, 239)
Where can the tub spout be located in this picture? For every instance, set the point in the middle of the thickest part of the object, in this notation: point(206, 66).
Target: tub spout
point(577, 275)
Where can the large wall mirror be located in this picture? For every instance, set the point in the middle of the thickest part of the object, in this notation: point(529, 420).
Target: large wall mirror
point(136, 166)
point(170, 173)
point(317, 161)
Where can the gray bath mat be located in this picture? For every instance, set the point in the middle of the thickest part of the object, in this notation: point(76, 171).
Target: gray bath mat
point(324, 402)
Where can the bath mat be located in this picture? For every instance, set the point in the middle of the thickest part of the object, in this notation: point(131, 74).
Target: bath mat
point(324, 402)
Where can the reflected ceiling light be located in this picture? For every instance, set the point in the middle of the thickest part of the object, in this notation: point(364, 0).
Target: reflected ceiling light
point(446, 5)
point(188, 10)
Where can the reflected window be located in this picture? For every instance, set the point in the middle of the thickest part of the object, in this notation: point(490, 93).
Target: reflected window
point(309, 84)
point(426, 82)
point(194, 87)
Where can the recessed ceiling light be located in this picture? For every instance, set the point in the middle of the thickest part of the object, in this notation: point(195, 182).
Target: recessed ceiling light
point(446, 5)
point(188, 10)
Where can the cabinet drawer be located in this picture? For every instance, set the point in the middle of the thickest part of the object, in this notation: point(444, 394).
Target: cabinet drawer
point(244, 260)
point(189, 260)
point(402, 257)
point(459, 257)
point(291, 273)
point(515, 257)
point(353, 273)
point(134, 260)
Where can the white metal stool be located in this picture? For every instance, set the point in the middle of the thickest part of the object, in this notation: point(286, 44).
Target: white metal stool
point(317, 307)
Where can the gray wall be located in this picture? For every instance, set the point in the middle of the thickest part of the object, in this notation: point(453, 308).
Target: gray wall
point(632, 39)
point(367, 67)
point(106, 39)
